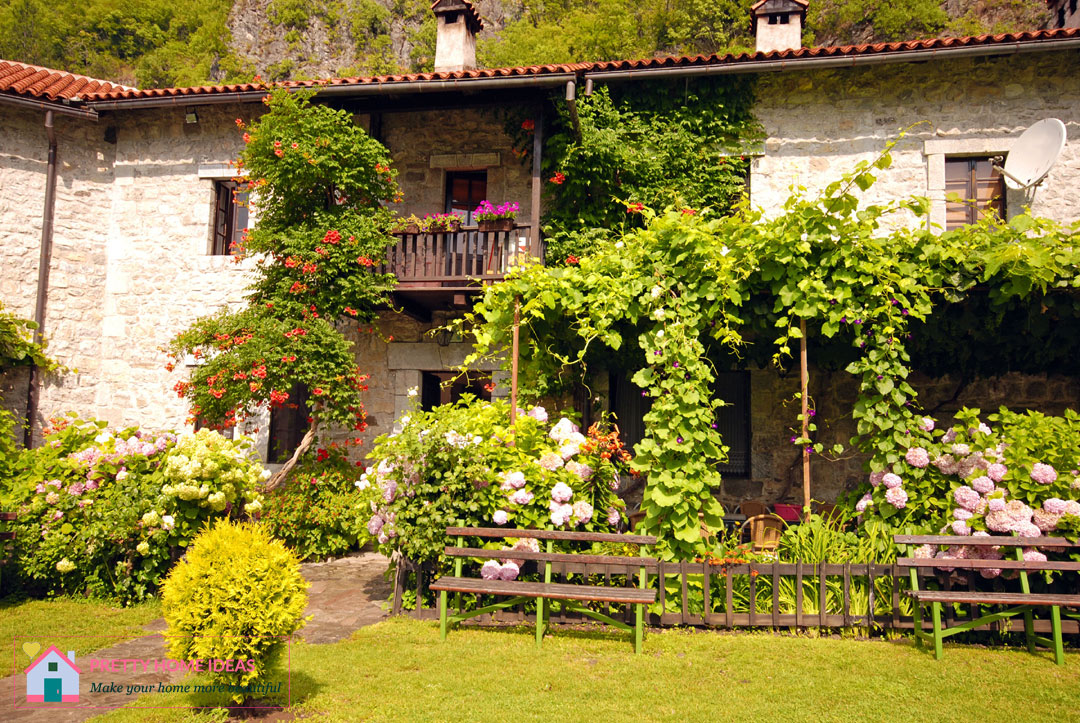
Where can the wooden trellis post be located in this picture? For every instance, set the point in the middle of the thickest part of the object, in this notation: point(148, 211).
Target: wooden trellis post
point(804, 383)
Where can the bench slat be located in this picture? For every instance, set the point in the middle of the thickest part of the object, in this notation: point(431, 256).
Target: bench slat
point(999, 540)
point(554, 591)
point(551, 535)
point(994, 598)
point(8, 516)
point(7, 535)
point(646, 562)
point(987, 564)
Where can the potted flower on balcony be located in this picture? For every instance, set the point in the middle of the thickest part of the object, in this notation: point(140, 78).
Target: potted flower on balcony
point(409, 224)
point(495, 218)
point(442, 223)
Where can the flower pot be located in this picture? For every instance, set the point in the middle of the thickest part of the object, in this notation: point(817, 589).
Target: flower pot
point(499, 224)
point(410, 228)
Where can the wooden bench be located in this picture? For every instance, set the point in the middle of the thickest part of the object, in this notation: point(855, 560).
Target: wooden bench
point(571, 596)
point(1018, 603)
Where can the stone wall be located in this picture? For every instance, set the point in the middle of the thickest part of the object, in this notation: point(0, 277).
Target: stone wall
point(820, 123)
point(776, 468)
point(427, 144)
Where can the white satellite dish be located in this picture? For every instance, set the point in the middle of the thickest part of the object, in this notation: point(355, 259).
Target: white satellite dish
point(1034, 154)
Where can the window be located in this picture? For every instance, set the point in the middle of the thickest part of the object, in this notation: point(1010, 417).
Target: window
point(1072, 6)
point(288, 425)
point(980, 186)
point(732, 420)
point(778, 18)
point(464, 192)
point(434, 394)
point(230, 217)
point(54, 667)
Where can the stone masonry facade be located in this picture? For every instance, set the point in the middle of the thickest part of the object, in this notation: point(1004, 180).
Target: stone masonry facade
point(131, 264)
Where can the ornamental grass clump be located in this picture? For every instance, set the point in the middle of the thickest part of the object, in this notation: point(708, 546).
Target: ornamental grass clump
point(237, 596)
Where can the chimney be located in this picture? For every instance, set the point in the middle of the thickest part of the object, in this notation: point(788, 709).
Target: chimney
point(71, 655)
point(778, 24)
point(455, 41)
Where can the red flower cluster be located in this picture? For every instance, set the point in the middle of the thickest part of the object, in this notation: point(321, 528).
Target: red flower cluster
point(288, 358)
point(297, 288)
point(528, 125)
point(635, 208)
point(279, 153)
point(351, 311)
point(247, 138)
point(259, 371)
point(332, 237)
point(321, 251)
point(608, 446)
point(239, 375)
point(278, 397)
point(571, 259)
point(310, 268)
point(217, 393)
point(365, 261)
point(688, 211)
point(318, 391)
point(254, 386)
point(181, 388)
point(296, 332)
point(558, 179)
point(239, 123)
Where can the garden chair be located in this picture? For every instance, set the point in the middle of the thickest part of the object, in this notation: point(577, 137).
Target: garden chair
point(765, 531)
point(753, 509)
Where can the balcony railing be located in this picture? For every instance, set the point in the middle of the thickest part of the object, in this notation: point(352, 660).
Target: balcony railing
point(456, 259)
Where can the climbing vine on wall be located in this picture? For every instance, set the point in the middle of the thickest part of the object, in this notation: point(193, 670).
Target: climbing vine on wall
point(856, 274)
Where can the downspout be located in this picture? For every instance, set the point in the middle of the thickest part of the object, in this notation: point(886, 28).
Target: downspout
point(34, 393)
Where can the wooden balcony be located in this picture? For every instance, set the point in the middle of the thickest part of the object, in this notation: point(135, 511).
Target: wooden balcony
point(440, 270)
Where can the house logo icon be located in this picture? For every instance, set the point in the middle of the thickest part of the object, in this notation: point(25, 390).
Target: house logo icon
point(53, 678)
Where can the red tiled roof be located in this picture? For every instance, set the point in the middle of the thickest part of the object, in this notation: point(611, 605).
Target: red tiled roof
point(33, 81)
point(114, 92)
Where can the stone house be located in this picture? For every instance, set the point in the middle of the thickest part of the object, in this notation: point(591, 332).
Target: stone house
point(135, 235)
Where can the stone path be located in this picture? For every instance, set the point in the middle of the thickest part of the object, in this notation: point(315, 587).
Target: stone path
point(345, 595)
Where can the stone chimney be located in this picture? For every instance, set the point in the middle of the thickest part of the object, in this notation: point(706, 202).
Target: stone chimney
point(778, 24)
point(455, 42)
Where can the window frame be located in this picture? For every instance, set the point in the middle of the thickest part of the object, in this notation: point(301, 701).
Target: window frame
point(448, 180)
point(295, 428)
point(229, 217)
point(972, 209)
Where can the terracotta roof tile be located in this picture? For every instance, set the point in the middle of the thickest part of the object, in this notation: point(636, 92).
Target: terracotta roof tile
point(34, 81)
point(91, 90)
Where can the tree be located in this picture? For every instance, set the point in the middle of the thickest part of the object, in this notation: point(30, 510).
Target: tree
point(320, 183)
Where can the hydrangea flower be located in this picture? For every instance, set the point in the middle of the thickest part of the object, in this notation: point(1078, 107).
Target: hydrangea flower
point(491, 570)
point(946, 464)
point(949, 437)
point(875, 477)
point(522, 497)
point(143, 548)
point(561, 514)
point(998, 520)
point(927, 424)
point(891, 480)
point(1033, 555)
point(1044, 519)
point(500, 517)
point(509, 570)
point(513, 480)
point(996, 504)
point(583, 512)
point(923, 552)
point(168, 522)
point(1018, 511)
point(562, 430)
point(583, 471)
point(65, 565)
point(539, 414)
point(864, 502)
point(1044, 474)
point(551, 461)
point(613, 516)
point(52, 498)
point(983, 485)
point(960, 527)
point(1072, 507)
point(917, 457)
point(561, 492)
point(897, 497)
point(966, 497)
point(1027, 529)
point(961, 514)
point(389, 489)
point(375, 524)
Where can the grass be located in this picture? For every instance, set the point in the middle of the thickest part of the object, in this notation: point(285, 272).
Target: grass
point(400, 670)
point(52, 621)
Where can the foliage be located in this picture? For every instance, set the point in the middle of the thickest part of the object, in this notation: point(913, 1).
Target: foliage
point(669, 143)
point(1017, 475)
point(830, 22)
point(320, 181)
point(689, 285)
point(464, 462)
point(17, 347)
point(236, 595)
point(104, 511)
point(321, 514)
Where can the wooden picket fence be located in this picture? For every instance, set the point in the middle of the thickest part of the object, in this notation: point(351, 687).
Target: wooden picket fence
point(858, 604)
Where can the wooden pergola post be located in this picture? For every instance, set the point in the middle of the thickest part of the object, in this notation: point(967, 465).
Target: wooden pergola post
point(514, 361)
point(804, 383)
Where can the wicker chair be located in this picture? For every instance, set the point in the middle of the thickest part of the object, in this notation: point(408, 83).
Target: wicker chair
point(765, 531)
point(753, 509)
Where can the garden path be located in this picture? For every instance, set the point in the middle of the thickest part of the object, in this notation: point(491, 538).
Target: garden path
point(345, 595)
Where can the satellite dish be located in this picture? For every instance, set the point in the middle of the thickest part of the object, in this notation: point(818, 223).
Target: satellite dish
point(1034, 154)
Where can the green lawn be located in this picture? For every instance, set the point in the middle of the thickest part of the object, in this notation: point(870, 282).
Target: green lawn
point(400, 670)
point(48, 622)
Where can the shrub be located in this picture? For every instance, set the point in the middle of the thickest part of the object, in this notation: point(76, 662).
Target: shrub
point(319, 513)
point(236, 595)
point(457, 462)
point(1017, 474)
point(105, 512)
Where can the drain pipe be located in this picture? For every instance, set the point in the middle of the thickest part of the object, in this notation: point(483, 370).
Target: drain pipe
point(34, 393)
